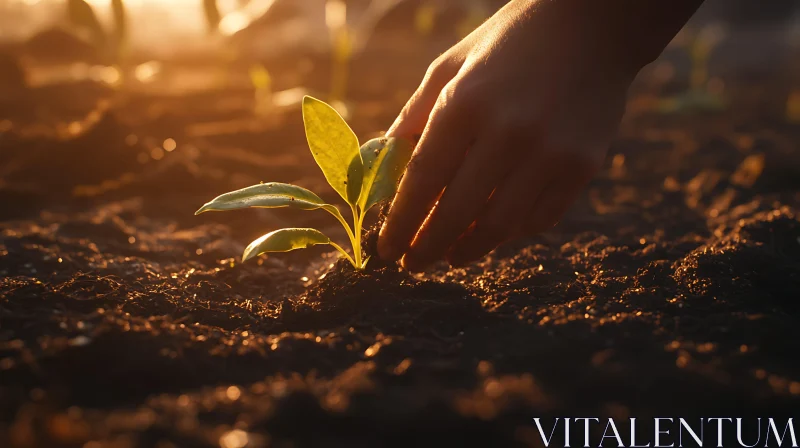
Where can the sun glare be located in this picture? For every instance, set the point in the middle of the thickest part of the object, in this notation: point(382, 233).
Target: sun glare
point(162, 23)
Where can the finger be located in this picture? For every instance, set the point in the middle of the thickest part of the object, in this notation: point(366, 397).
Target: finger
point(415, 114)
point(553, 203)
point(461, 203)
point(433, 164)
point(504, 214)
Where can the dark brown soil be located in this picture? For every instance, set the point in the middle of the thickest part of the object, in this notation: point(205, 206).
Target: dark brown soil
point(671, 289)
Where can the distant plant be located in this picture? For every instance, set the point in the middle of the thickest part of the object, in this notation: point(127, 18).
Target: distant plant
point(349, 38)
point(212, 15)
point(363, 176)
point(120, 32)
point(425, 18)
point(476, 13)
point(342, 49)
point(83, 20)
point(793, 106)
point(700, 49)
point(703, 95)
point(262, 86)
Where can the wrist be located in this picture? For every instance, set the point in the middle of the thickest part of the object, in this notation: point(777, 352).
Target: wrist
point(633, 32)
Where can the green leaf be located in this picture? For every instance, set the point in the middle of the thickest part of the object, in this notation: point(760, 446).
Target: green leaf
point(284, 240)
point(269, 195)
point(333, 145)
point(355, 176)
point(384, 160)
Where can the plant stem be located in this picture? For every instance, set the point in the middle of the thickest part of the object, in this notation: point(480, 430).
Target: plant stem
point(360, 228)
point(357, 234)
point(344, 252)
point(354, 234)
point(336, 214)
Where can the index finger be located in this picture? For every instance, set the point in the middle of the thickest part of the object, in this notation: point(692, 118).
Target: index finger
point(433, 164)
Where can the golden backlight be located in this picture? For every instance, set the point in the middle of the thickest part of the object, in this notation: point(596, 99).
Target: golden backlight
point(154, 23)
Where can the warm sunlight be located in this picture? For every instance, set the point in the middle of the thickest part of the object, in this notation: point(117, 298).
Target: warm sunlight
point(380, 223)
point(166, 23)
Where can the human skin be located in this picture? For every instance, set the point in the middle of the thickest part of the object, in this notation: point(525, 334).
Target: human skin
point(514, 120)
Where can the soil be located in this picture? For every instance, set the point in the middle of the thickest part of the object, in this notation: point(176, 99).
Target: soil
point(672, 288)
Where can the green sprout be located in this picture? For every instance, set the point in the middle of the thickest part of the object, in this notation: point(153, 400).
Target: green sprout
point(348, 39)
point(363, 176)
point(476, 13)
point(212, 15)
point(262, 87)
point(120, 31)
point(425, 19)
point(83, 19)
point(85, 23)
point(703, 94)
point(342, 49)
point(793, 106)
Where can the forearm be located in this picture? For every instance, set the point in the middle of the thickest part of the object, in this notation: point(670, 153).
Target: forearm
point(638, 29)
point(602, 34)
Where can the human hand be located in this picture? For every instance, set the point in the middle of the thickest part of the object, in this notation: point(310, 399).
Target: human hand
point(514, 120)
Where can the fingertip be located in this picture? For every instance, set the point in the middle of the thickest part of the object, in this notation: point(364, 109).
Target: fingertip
point(413, 261)
point(411, 264)
point(401, 128)
point(386, 249)
point(392, 131)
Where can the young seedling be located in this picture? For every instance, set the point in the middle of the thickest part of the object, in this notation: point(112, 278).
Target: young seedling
point(703, 94)
point(111, 44)
point(82, 18)
point(476, 13)
point(342, 50)
point(349, 38)
point(793, 106)
point(363, 176)
point(425, 19)
point(212, 15)
point(120, 32)
point(262, 86)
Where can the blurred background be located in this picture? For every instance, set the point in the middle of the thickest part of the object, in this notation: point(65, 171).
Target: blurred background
point(203, 73)
point(123, 43)
point(146, 92)
point(126, 319)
